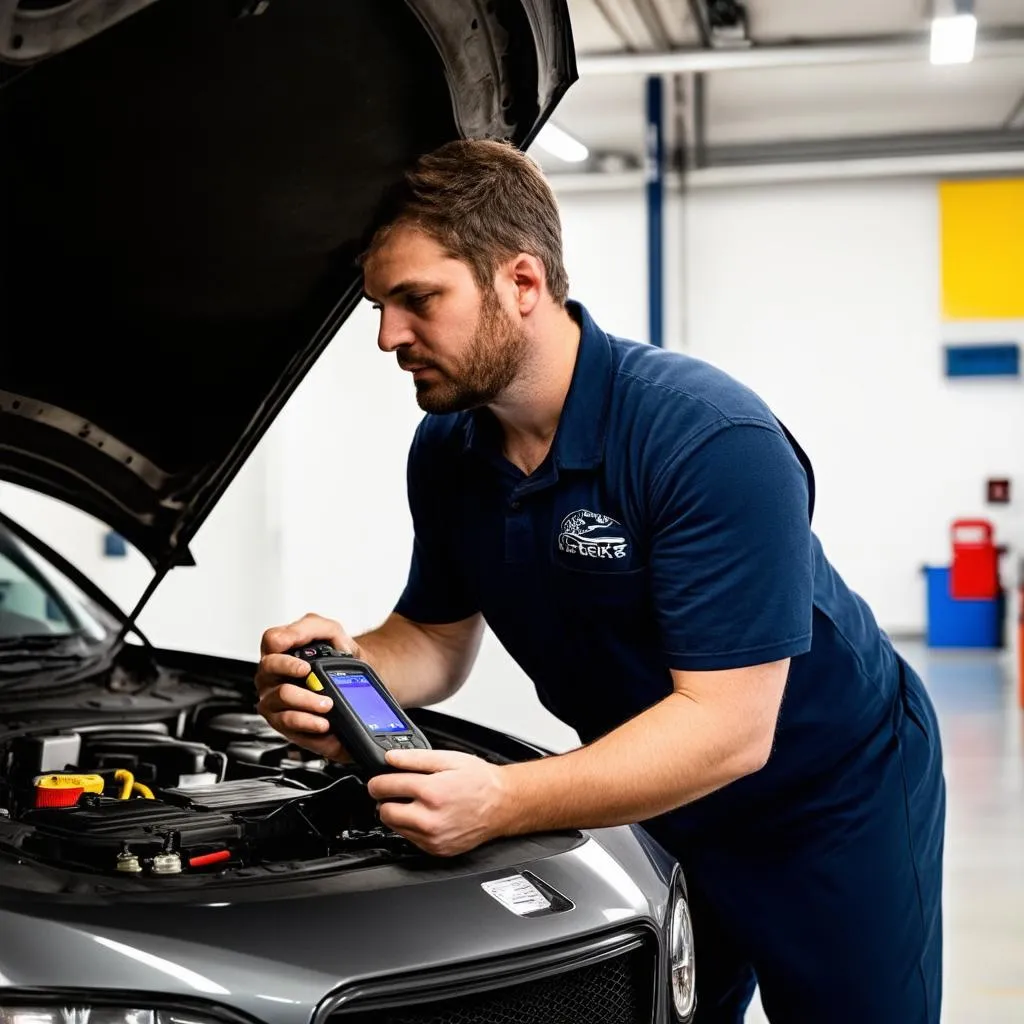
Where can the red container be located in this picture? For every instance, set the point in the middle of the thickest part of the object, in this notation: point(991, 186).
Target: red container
point(1020, 644)
point(975, 571)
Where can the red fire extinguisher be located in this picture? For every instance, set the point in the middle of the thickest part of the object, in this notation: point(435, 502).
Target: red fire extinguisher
point(975, 571)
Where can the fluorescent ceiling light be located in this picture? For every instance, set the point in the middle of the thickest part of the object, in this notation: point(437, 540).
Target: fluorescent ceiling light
point(953, 39)
point(561, 144)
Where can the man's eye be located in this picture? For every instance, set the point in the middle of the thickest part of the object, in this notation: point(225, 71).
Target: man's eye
point(416, 301)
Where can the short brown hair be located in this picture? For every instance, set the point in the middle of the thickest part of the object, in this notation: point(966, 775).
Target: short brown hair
point(484, 202)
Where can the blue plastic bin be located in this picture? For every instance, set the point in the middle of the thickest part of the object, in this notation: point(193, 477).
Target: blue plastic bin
point(953, 623)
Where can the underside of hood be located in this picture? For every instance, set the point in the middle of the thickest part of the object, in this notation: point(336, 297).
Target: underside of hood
point(185, 191)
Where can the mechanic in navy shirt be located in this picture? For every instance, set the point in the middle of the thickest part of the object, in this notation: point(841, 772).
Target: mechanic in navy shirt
point(634, 526)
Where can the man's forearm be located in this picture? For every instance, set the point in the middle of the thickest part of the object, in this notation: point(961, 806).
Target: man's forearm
point(420, 665)
point(671, 754)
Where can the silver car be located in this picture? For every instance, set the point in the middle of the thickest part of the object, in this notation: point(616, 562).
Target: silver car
point(186, 186)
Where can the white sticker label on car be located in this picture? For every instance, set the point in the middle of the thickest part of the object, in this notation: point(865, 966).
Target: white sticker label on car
point(518, 894)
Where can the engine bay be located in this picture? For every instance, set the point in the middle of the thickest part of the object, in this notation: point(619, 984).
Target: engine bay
point(213, 791)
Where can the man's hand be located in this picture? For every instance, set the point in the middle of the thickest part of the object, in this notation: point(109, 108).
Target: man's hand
point(455, 801)
point(295, 712)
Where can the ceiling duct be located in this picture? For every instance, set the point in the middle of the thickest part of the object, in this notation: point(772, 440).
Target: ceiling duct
point(998, 43)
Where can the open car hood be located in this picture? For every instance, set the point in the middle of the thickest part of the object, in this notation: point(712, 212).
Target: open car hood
point(185, 187)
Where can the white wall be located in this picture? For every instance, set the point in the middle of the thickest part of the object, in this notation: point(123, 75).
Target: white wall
point(824, 298)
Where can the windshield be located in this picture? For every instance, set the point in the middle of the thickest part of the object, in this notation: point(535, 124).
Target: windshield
point(38, 601)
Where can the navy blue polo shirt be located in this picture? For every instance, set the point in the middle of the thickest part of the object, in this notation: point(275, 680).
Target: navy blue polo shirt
point(668, 528)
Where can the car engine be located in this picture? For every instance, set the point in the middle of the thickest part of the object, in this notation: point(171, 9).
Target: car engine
point(220, 793)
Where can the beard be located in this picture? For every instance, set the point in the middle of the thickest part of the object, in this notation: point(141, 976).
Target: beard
point(494, 359)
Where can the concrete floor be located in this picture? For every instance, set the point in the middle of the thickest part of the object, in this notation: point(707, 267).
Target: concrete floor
point(975, 694)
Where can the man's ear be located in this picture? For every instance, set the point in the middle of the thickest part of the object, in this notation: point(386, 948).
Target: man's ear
point(525, 281)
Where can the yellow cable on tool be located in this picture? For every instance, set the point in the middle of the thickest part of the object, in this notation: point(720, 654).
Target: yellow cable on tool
point(129, 785)
point(124, 776)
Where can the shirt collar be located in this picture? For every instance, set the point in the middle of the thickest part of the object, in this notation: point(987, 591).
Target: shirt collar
point(579, 439)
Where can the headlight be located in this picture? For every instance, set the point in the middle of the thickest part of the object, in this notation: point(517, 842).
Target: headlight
point(95, 1014)
point(681, 963)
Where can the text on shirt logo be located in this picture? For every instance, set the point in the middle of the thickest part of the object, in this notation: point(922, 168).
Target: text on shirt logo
point(592, 536)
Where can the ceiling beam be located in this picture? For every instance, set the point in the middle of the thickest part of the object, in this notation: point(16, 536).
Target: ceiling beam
point(857, 147)
point(654, 23)
point(1001, 42)
point(699, 13)
point(613, 22)
point(924, 165)
point(948, 165)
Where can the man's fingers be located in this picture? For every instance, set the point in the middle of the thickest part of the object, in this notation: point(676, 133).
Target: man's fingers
point(396, 785)
point(289, 697)
point(426, 760)
point(299, 721)
point(408, 819)
point(307, 629)
point(276, 669)
point(283, 665)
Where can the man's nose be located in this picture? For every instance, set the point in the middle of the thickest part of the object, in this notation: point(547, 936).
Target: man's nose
point(394, 331)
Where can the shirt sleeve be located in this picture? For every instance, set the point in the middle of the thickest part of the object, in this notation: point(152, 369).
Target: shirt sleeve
point(731, 551)
point(435, 591)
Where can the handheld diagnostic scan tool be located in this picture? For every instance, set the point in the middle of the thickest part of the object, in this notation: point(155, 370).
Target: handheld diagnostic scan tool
point(365, 717)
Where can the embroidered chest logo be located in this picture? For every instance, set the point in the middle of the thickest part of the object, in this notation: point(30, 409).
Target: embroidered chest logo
point(592, 536)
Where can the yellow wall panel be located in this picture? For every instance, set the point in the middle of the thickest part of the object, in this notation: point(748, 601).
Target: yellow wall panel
point(982, 243)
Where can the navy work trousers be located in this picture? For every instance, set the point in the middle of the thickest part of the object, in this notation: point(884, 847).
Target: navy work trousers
point(838, 916)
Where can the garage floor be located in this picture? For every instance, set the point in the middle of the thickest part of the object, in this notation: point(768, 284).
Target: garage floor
point(983, 739)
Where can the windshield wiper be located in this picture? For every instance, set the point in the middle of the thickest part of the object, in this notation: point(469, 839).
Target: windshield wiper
point(38, 641)
point(37, 659)
point(43, 648)
point(35, 674)
point(39, 688)
point(48, 653)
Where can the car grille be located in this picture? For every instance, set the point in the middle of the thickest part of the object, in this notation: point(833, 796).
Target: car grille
point(616, 990)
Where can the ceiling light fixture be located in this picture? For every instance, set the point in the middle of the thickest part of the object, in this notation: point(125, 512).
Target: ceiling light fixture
point(954, 30)
point(561, 144)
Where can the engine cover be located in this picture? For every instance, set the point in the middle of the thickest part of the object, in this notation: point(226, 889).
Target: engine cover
point(238, 794)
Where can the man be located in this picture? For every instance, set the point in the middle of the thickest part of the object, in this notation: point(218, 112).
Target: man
point(634, 525)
